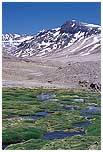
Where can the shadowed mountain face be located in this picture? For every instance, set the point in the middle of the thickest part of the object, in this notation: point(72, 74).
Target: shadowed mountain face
point(72, 38)
point(73, 27)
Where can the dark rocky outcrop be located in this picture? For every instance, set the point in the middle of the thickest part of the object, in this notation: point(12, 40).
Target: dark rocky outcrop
point(91, 86)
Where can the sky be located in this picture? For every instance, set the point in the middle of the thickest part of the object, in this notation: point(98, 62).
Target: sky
point(30, 18)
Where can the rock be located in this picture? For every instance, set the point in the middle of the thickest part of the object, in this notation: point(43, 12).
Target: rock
point(49, 81)
point(83, 83)
point(60, 68)
point(95, 86)
point(92, 86)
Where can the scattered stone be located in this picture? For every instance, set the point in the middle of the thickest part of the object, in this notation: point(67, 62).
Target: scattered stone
point(49, 81)
point(95, 87)
point(91, 86)
point(60, 68)
point(83, 83)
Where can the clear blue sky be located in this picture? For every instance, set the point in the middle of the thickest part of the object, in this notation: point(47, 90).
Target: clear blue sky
point(26, 17)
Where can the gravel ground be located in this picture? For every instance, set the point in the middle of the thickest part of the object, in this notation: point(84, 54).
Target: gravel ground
point(51, 72)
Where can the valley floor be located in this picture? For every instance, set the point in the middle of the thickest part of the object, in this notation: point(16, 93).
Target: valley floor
point(50, 72)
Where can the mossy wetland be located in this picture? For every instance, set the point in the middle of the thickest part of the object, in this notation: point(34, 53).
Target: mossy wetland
point(50, 119)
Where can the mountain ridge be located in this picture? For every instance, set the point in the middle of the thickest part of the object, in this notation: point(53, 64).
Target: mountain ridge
point(76, 37)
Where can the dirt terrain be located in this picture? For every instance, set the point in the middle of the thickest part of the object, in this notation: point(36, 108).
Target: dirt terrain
point(51, 72)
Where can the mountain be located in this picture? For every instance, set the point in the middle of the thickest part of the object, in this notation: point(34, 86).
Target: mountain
point(65, 57)
point(10, 41)
point(72, 38)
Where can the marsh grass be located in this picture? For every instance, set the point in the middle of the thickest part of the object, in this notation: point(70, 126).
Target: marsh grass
point(19, 134)
point(18, 102)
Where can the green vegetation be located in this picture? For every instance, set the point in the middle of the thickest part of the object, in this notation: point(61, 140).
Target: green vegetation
point(74, 143)
point(95, 129)
point(28, 145)
point(22, 131)
point(14, 135)
point(59, 121)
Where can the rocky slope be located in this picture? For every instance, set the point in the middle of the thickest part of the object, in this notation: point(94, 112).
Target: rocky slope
point(76, 37)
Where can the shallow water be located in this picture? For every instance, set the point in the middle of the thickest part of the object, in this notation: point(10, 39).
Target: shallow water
point(91, 110)
point(36, 116)
point(70, 107)
point(82, 124)
point(61, 134)
point(46, 96)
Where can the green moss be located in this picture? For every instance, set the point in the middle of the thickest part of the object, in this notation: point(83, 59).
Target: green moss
point(95, 128)
point(14, 135)
point(28, 145)
point(73, 143)
point(18, 102)
point(59, 121)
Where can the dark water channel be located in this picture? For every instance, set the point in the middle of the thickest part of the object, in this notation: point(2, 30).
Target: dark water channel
point(82, 124)
point(38, 115)
point(61, 134)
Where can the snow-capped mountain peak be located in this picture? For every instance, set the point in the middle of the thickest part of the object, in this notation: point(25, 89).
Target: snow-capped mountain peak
point(74, 36)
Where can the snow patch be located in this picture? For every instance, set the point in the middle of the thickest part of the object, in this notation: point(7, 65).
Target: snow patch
point(57, 33)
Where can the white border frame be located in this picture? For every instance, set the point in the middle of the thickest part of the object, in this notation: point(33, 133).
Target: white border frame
point(1, 73)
